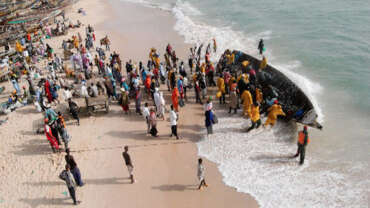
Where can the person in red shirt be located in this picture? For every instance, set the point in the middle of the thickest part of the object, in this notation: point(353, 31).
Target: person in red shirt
point(50, 137)
point(303, 140)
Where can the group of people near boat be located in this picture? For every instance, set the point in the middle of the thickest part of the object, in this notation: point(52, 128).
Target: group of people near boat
point(103, 75)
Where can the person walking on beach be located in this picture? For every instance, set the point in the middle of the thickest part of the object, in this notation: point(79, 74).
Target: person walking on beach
point(49, 135)
point(146, 115)
point(173, 122)
point(162, 106)
point(124, 101)
point(153, 123)
point(66, 176)
point(62, 130)
point(303, 140)
point(138, 100)
point(255, 117)
point(73, 109)
point(209, 120)
point(128, 163)
point(73, 167)
point(175, 99)
point(200, 174)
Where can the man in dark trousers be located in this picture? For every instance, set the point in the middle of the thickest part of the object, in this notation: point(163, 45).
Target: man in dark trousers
point(261, 46)
point(66, 176)
point(173, 122)
point(303, 140)
point(128, 162)
point(73, 109)
point(74, 169)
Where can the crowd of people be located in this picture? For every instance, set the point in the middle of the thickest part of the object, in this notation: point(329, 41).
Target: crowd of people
point(82, 75)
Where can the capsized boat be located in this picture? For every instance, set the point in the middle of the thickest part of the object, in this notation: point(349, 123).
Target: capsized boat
point(295, 103)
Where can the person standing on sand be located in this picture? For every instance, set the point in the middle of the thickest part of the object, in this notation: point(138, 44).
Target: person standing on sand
point(303, 140)
point(74, 169)
point(162, 106)
point(153, 123)
point(157, 100)
point(146, 115)
point(200, 174)
point(173, 122)
point(49, 135)
point(175, 99)
point(128, 163)
point(62, 130)
point(138, 100)
point(73, 109)
point(124, 101)
point(209, 120)
point(65, 175)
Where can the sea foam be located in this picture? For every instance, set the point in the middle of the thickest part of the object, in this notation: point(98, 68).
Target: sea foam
point(259, 162)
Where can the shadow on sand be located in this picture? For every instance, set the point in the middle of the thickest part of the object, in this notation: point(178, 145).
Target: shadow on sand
point(175, 187)
point(274, 159)
point(34, 147)
point(36, 202)
point(96, 181)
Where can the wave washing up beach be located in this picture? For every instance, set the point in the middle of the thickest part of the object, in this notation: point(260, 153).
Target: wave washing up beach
point(120, 62)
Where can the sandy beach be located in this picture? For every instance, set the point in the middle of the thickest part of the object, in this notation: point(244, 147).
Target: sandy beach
point(164, 168)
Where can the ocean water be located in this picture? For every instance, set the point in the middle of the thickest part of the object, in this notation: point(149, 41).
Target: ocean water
point(324, 47)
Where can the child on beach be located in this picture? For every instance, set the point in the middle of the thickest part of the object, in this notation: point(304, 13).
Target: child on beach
point(128, 163)
point(200, 174)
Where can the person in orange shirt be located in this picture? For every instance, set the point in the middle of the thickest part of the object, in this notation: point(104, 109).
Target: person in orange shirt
point(175, 99)
point(303, 140)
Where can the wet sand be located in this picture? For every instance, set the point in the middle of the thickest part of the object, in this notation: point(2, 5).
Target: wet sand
point(165, 168)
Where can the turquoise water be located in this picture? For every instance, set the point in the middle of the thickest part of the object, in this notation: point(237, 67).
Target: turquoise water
point(324, 47)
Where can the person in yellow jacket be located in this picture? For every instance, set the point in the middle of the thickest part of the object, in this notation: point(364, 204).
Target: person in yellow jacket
point(244, 76)
point(228, 57)
point(303, 140)
point(151, 54)
point(75, 42)
point(203, 68)
point(18, 47)
point(245, 64)
point(221, 88)
point(263, 63)
point(156, 61)
point(247, 103)
point(232, 58)
point(259, 95)
point(274, 111)
point(255, 118)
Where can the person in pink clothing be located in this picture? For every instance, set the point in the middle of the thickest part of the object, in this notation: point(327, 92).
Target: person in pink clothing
point(49, 135)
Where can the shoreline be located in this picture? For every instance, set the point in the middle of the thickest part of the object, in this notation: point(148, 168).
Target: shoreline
point(165, 168)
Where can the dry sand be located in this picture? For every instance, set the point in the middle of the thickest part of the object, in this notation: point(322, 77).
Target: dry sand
point(165, 168)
